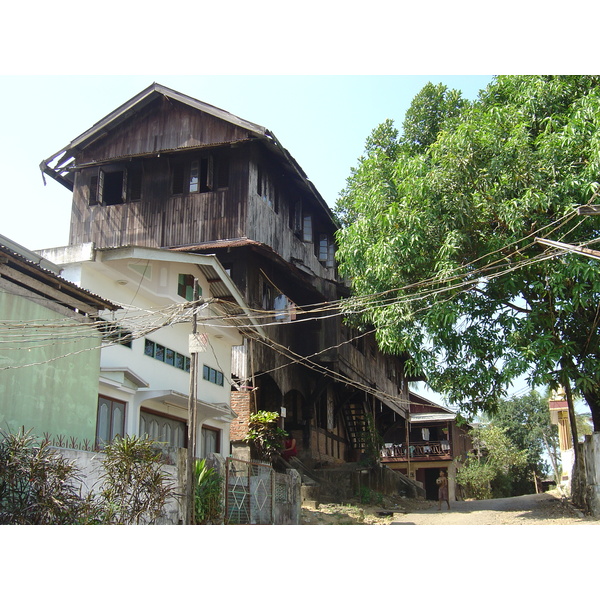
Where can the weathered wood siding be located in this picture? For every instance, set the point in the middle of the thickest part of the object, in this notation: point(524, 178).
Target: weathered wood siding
point(160, 219)
point(162, 126)
point(148, 141)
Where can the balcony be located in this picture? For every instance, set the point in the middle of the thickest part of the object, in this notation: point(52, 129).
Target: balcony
point(417, 451)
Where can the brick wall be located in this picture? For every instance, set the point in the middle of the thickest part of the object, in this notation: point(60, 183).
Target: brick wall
point(240, 404)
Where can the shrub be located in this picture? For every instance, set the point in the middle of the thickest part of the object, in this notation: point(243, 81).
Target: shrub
point(134, 487)
point(208, 496)
point(265, 435)
point(38, 486)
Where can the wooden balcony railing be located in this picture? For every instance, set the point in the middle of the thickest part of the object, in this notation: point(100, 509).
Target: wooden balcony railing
point(416, 451)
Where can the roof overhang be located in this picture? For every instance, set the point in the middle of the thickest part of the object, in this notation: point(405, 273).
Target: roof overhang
point(206, 410)
point(119, 376)
point(222, 287)
point(431, 417)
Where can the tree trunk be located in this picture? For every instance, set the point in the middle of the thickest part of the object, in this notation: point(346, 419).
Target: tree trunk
point(593, 401)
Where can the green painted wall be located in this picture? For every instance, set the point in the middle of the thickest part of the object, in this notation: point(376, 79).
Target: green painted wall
point(58, 393)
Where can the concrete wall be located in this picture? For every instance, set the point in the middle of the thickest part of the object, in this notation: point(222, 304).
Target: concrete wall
point(590, 450)
point(91, 467)
point(286, 509)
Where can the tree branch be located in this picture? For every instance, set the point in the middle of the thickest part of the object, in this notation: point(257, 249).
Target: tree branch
point(504, 302)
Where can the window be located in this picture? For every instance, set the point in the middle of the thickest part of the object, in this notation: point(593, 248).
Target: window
point(203, 174)
point(307, 233)
point(112, 187)
point(266, 294)
point(326, 250)
point(111, 420)
point(210, 440)
point(167, 430)
point(166, 355)
point(185, 287)
point(301, 223)
point(296, 218)
point(212, 375)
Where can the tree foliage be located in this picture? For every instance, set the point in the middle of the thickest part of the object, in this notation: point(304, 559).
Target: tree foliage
point(525, 420)
point(486, 471)
point(264, 434)
point(439, 243)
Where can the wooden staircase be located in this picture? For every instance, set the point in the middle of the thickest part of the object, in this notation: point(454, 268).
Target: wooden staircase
point(354, 414)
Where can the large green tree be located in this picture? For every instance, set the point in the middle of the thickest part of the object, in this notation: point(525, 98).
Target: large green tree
point(525, 419)
point(439, 240)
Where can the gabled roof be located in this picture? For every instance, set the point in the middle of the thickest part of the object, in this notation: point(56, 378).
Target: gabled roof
point(59, 165)
point(423, 406)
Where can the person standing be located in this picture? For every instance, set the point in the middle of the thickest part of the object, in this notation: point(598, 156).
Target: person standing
point(289, 447)
point(442, 482)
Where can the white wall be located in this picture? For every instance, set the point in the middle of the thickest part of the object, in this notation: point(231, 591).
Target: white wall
point(145, 288)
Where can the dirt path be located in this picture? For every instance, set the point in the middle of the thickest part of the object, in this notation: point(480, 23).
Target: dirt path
point(534, 509)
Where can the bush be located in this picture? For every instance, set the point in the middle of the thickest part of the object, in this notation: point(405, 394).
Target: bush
point(265, 435)
point(208, 496)
point(135, 489)
point(38, 486)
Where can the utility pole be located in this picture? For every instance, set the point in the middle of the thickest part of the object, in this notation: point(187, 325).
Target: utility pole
point(192, 412)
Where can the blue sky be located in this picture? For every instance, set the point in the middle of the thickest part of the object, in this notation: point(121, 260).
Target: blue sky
point(322, 120)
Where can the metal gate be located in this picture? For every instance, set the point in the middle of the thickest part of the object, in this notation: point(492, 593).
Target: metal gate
point(250, 490)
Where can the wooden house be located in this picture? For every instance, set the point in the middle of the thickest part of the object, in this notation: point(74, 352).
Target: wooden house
point(429, 441)
point(167, 171)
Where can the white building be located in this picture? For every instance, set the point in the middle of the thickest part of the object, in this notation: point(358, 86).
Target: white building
point(144, 382)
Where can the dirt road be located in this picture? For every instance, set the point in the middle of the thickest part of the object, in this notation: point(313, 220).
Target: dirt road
point(534, 509)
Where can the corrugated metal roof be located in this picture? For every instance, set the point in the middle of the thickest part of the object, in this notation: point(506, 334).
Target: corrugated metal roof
point(431, 417)
point(49, 273)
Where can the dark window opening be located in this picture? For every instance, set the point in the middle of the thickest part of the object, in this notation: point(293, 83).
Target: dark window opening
point(205, 175)
point(94, 190)
point(178, 178)
point(113, 334)
point(115, 187)
point(222, 172)
point(135, 184)
point(259, 181)
point(113, 190)
point(200, 175)
point(296, 218)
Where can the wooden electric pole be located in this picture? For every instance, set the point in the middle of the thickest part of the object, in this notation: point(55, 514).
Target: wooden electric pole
point(192, 413)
